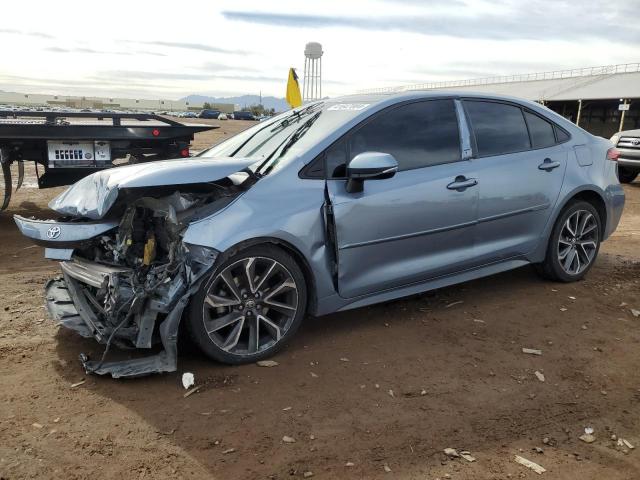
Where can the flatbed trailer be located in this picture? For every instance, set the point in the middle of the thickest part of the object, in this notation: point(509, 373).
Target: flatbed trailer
point(67, 146)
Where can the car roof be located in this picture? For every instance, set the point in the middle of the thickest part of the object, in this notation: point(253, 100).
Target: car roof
point(422, 94)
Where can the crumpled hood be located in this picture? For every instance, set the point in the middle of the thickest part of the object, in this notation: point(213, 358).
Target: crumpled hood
point(93, 196)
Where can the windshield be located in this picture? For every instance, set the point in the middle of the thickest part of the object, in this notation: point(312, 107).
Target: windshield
point(271, 140)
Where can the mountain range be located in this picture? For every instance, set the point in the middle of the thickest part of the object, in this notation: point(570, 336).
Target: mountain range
point(279, 104)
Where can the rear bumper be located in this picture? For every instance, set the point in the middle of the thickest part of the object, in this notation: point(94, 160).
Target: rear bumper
point(614, 196)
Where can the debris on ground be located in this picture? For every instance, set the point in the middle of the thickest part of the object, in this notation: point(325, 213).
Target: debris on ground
point(451, 453)
point(192, 391)
point(307, 474)
point(529, 464)
point(635, 313)
point(588, 436)
point(267, 363)
point(77, 384)
point(563, 309)
point(387, 468)
point(188, 380)
point(287, 439)
point(314, 375)
point(37, 425)
point(349, 464)
point(531, 351)
point(538, 450)
point(229, 450)
point(391, 394)
point(344, 359)
point(453, 304)
point(625, 443)
point(467, 456)
point(539, 375)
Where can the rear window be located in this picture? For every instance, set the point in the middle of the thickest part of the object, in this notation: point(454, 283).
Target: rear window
point(498, 128)
point(540, 130)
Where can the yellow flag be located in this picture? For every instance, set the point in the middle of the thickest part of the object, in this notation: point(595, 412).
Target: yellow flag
point(293, 90)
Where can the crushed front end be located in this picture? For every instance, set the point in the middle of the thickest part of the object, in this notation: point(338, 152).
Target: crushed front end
point(126, 282)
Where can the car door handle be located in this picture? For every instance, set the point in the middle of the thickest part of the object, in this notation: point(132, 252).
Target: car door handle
point(548, 165)
point(461, 183)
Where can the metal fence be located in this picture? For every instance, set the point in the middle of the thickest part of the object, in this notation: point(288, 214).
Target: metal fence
point(526, 77)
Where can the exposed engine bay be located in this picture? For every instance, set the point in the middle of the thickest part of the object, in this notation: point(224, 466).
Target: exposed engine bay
point(128, 286)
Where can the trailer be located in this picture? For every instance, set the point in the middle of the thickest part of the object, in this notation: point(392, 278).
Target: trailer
point(67, 146)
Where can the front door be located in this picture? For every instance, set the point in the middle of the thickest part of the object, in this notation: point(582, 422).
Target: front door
point(416, 225)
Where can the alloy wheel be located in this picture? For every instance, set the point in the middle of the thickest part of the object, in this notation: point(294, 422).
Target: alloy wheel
point(578, 242)
point(250, 305)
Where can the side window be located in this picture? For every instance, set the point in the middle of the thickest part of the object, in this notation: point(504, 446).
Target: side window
point(561, 135)
point(540, 130)
point(418, 135)
point(499, 128)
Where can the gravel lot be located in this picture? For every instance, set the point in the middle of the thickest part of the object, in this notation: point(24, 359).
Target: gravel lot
point(372, 393)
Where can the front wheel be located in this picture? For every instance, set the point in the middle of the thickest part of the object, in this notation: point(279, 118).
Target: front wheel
point(626, 175)
point(574, 243)
point(249, 307)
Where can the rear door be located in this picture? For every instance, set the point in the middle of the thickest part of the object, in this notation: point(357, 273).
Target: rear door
point(415, 225)
point(520, 167)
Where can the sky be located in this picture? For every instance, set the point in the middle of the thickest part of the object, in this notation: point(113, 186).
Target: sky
point(221, 48)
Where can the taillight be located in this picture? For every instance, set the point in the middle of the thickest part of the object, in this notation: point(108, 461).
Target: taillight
point(184, 152)
point(613, 154)
point(155, 132)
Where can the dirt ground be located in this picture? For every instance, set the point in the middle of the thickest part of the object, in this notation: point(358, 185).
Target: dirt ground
point(377, 392)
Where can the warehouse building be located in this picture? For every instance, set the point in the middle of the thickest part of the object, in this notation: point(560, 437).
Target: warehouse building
point(65, 101)
point(602, 100)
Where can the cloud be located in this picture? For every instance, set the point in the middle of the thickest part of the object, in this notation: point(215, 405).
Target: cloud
point(534, 20)
point(93, 51)
point(13, 31)
point(191, 46)
point(146, 75)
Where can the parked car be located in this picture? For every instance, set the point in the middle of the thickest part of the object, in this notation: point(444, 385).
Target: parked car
point(628, 143)
point(242, 115)
point(223, 116)
point(335, 205)
point(209, 114)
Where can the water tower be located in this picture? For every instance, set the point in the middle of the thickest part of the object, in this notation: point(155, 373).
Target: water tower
point(312, 86)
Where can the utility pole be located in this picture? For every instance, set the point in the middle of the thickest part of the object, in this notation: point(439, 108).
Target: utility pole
point(579, 112)
point(624, 110)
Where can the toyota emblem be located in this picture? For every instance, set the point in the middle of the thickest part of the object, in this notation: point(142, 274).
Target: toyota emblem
point(636, 141)
point(53, 233)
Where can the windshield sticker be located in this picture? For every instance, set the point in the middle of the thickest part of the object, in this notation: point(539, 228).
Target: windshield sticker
point(348, 106)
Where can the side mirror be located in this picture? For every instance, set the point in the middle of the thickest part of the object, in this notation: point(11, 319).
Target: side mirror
point(369, 166)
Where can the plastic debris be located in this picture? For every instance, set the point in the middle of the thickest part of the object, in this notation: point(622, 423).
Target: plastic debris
point(539, 375)
point(531, 351)
point(451, 452)
point(188, 380)
point(287, 439)
point(267, 363)
point(529, 464)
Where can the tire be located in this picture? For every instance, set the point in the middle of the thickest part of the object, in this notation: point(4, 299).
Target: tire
point(229, 308)
point(627, 175)
point(560, 263)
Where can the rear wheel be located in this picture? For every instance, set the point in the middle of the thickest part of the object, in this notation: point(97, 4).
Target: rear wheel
point(249, 307)
point(574, 243)
point(627, 175)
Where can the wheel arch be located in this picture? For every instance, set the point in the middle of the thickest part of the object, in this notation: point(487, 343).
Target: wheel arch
point(594, 198)
point(288, 247)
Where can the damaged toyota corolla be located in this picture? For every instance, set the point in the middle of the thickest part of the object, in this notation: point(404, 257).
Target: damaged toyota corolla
point(239, 243)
